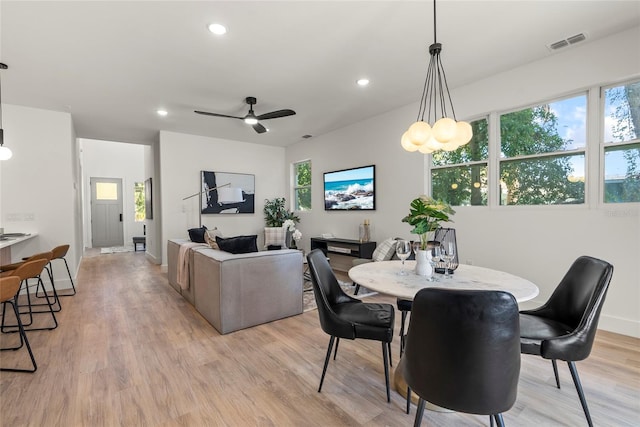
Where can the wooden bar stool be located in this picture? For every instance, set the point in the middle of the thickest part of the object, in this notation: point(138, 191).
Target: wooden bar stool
point(9, 287)
point(10, 268)
point(59, 252)
point(30, 270)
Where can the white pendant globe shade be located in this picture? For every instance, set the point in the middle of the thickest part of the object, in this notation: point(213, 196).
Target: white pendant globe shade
point(407, 144)
point(419, 133)
point(464, 133)
point(5, 153)
point(445, 129)
point(424, 149)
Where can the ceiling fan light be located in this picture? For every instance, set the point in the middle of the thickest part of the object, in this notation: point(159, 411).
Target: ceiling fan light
point(251, 120)
point(407, 144)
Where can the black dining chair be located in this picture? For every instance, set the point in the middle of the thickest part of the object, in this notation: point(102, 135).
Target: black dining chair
point(564, 328)
point(342, 316)
point(463, 351)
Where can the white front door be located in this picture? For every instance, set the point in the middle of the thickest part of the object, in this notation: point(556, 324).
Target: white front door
point(106, 212)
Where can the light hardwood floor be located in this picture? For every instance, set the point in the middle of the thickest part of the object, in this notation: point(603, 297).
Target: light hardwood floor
point(130, 351)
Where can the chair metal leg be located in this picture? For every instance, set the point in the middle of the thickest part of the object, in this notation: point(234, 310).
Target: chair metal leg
point(499, 420)
point(31, 312)
point(390, 355)
point(491, 420)
point(555, 372)
point(408, 399)
point(357, 289)
point(385, 357)
point(335, 352)
point(583, 400)
point(73, 286)
point(402, 321)
point(23, 337)
point(419, 412)
point(326, 361)
point(56, 300)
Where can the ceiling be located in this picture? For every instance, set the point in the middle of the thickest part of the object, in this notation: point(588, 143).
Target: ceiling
point(112, 64)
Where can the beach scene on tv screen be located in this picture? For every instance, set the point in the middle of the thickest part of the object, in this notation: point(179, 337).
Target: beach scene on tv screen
point(349, 189)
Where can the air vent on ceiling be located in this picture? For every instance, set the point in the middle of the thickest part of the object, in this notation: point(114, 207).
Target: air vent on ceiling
point(307, 136)
point(568, 41)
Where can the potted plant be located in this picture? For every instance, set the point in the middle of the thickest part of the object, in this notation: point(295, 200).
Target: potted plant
point(425, 215)
point(276, 216)
point(275, 213)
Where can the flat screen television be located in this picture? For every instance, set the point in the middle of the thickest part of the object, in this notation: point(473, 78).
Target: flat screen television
point(350, 189)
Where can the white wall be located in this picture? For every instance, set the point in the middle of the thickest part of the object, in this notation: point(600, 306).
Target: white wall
point(38, 185)
point(107, 159)
point(538, 243)
point(153, 242)
point(183, 156)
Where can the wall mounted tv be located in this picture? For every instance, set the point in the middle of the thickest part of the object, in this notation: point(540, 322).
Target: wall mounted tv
point(350, 189)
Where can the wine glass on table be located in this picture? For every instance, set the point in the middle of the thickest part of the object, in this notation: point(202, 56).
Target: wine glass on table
point(448, 254)
point(403, 250)
point(434, 261)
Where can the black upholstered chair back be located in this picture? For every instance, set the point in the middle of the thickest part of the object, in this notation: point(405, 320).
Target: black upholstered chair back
point(328, 293)
point(463, 349)
point(576, 303)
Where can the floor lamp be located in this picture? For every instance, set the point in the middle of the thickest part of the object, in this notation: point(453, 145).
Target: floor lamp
point(208, 191)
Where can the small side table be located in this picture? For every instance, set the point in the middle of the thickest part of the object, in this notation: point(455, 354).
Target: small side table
point(139, 241)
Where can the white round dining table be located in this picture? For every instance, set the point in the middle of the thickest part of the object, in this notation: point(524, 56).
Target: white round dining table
point(384, 277)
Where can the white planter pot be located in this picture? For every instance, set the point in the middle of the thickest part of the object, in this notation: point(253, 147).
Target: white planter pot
point(423, 267)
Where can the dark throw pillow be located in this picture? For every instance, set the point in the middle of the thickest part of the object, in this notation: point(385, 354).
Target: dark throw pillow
point(238, 244)
point(197, 234)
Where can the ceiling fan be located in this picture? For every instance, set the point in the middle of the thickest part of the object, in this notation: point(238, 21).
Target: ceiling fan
point(251, 118)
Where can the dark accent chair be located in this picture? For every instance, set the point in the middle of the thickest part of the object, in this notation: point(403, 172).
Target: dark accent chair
point(9, 287)
point(463, 351)
point(342, 316)
point(565, 326)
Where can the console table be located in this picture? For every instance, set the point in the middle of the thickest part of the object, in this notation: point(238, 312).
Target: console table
point(342, 251)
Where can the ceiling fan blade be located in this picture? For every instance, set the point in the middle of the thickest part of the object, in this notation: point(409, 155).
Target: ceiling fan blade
point(259, 128)
point(276, 114)
point(217, 115)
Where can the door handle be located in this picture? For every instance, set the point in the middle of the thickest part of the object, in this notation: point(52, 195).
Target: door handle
point(120, 217)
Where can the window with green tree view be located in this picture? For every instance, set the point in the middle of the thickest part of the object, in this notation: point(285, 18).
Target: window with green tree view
point(621, 143)
point(459, 177)
point(542, 153)
point(302, 185)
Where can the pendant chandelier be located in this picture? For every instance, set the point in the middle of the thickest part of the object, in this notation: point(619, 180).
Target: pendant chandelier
point(446, 133)
point(5, 152)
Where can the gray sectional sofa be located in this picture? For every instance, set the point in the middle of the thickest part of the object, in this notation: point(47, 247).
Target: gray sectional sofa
point(239, 291)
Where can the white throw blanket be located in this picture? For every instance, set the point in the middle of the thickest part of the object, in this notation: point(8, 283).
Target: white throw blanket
point(183, 263)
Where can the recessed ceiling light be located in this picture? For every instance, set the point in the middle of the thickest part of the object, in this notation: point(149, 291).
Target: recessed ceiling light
point(218, 29)
point(362, 82)
point(162, 112)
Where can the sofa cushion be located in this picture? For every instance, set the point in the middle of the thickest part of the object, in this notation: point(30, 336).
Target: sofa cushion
point(210, 237)
point(385, 250)
point(197, 234)
point(238, 244)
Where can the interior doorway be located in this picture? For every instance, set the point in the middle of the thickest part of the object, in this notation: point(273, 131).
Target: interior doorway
point(106, 212)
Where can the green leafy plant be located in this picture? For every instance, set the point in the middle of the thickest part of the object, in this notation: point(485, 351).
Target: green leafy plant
point(425, 215)
point(275, 213)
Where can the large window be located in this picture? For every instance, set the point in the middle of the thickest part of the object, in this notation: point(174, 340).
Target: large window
point(302, 185)
point(542, 153)
point(622, 143)
point(460, 177)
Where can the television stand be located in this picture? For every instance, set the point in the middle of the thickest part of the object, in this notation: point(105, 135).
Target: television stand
point(342, 251)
